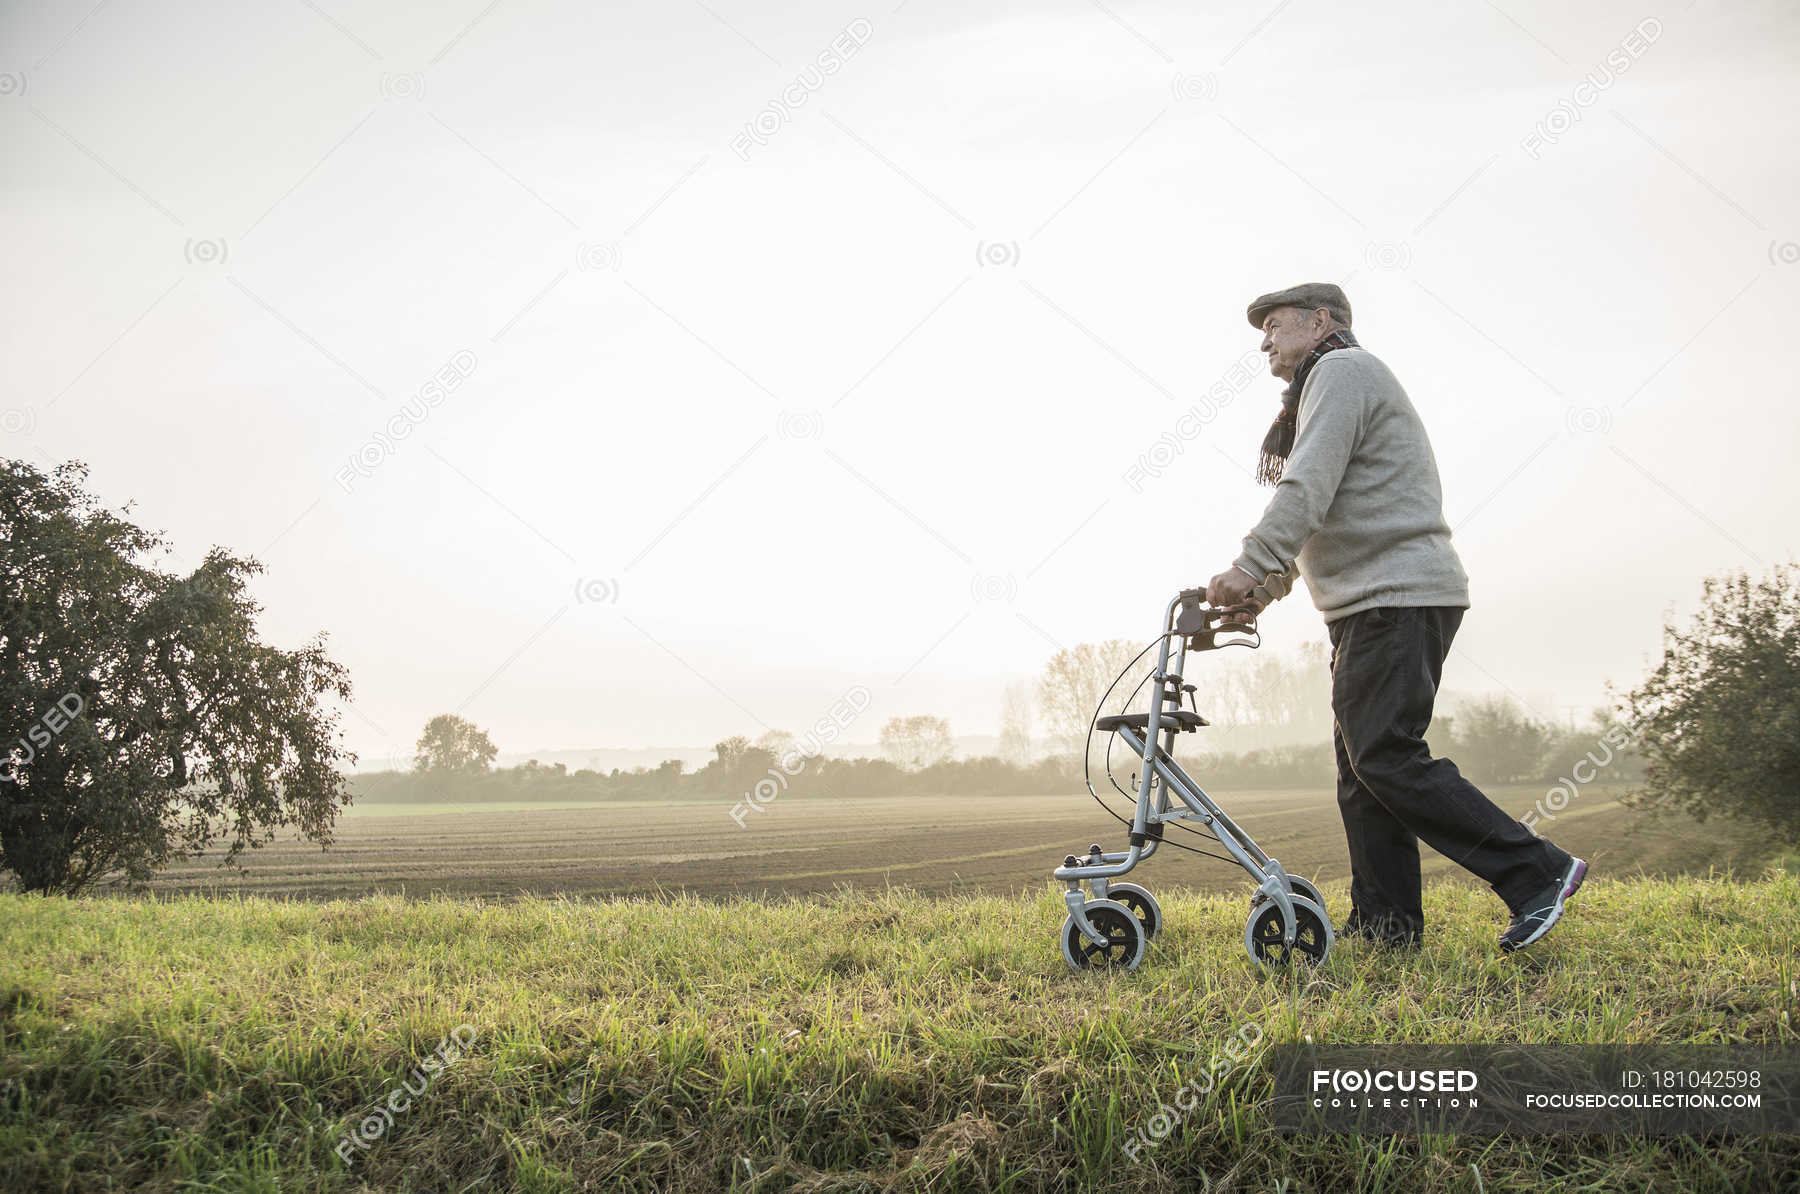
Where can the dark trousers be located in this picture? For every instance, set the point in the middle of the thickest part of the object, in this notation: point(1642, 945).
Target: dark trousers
point(1385, 664)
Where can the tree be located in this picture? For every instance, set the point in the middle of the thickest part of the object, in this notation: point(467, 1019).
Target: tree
point(452, 745)
point(1718, 720)
point(1601, 745)
point(1015, 726)
point(146, 720)
point(1497, 742)
point(1267, 698)
point(737, 765)
point(779, 743)
point(916, 742)
point(1074, 681)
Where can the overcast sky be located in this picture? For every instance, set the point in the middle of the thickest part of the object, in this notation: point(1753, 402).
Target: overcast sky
point(768, 398)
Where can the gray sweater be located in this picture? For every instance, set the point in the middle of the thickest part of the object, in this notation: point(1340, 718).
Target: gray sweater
point(1358, 512)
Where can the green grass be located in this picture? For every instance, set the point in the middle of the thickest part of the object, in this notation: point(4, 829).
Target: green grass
point(862, 1041)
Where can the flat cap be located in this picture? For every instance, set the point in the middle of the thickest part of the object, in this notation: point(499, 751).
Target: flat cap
point(1309, 295)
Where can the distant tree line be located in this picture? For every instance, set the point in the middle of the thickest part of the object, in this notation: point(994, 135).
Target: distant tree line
point(1494, 741)
point(737, 766)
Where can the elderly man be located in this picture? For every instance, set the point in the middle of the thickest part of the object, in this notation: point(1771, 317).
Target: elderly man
point(1357, 510)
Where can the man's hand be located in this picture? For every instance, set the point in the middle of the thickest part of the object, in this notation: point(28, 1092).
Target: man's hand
point(1231, 589)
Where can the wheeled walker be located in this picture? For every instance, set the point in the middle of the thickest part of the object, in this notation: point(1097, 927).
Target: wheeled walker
point(1111, 924)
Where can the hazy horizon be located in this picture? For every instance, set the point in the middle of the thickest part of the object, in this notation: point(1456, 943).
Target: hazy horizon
point(739, 426)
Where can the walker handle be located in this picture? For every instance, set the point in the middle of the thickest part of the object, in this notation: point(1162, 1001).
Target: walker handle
point(1199, 623)
point(1197, 597)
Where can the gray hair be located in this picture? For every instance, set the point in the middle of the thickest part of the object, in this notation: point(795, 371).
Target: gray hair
point(1339, 317)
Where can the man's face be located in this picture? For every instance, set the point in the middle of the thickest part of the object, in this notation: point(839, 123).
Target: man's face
point(1289, 333)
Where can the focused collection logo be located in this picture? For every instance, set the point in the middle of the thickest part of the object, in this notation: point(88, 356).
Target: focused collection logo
point(1354, 1088)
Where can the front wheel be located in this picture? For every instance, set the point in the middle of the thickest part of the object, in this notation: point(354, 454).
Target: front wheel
point(1142, 904)
point(1124, 934)
point(1305, 890)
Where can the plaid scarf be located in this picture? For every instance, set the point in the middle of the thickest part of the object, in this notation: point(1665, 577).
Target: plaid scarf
point(1280, 439)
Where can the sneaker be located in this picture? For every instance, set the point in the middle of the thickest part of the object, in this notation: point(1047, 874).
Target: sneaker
point(1544, 909)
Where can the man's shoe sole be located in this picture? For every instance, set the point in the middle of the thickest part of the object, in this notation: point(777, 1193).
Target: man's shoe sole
point(1571, 884)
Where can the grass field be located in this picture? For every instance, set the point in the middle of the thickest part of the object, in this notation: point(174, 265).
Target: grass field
point(855, 1042)
point(997, 845)
point(841, 995)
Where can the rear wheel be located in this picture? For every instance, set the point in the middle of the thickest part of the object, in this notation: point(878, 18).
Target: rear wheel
point(1312, 933)
point(1296, 886)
